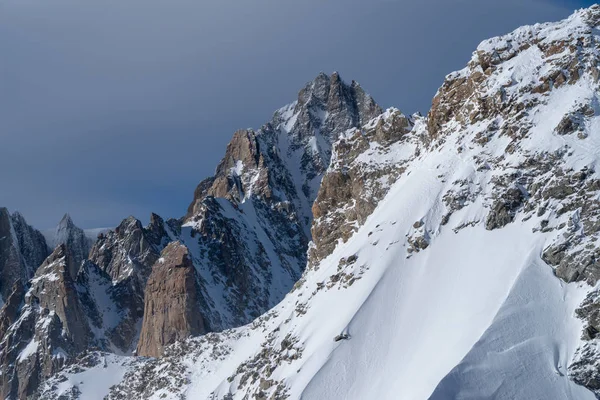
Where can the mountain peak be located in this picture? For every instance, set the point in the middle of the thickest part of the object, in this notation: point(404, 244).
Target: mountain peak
point(66, 221)
point(591, 15)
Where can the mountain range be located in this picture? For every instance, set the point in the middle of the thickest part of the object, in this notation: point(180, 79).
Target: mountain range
point(344, 251)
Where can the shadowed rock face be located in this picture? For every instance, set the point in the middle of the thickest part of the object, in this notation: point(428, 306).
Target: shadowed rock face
point(12, 268)
point(75, 240)
point(22, 250)
point(172, 302)
point(127, 251)
point(54, 289)
point(32, 244)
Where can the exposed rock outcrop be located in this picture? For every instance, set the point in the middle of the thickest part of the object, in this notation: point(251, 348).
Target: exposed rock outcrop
point(172, 302)
point(120, 263)
point(365, 163)
point(32, 244)
point(12, 268)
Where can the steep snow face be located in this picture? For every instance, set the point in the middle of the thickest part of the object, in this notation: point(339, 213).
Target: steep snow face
point(530, 100)
point(527, 349)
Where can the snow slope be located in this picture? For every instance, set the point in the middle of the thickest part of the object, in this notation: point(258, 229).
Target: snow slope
point(526, 350)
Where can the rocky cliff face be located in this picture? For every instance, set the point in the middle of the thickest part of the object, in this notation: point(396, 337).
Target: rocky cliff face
point(364, 165)
point(115, 277)
point(22, 250)
point(51, 327)
point(32, 244)
point(12, 268)
point(172, 308)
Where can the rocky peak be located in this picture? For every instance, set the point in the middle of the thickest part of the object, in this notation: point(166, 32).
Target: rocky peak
point(129, 249)
point(157, 230)
point(74, 238)
point(66, 222)
point(50, 328)
point(263, 191)
point(172, 302)
point(298, 137)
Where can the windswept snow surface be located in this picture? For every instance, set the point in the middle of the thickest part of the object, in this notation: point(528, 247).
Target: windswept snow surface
point(94, 383)
point(525, 353)
point(425, 313)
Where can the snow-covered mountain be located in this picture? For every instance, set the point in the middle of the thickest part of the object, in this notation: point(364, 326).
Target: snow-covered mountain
point(240, 248)
point(346, 252)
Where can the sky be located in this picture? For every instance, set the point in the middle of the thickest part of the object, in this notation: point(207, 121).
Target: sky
point(111, 108)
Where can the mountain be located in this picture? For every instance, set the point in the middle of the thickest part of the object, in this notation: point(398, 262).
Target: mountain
point(252, 219)
point(78, 240)
point(343, 251)
point(235, 254)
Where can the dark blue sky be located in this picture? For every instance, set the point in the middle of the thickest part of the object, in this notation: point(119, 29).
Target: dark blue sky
point(117, 107)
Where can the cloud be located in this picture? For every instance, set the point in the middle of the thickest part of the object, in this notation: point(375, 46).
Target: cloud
point(118, 107)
